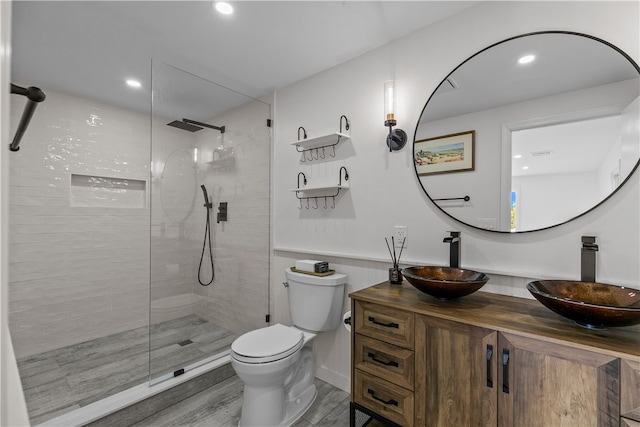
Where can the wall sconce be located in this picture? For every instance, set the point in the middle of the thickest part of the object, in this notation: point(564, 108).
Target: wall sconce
point(397, 138)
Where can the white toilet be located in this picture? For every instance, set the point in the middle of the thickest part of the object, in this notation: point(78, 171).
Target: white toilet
point(273, 362)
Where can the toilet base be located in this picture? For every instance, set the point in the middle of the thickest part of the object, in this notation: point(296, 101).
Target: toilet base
point(279, 405)
point(296, 409)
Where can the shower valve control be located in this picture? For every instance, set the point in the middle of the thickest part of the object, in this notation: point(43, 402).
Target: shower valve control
point(222, 212)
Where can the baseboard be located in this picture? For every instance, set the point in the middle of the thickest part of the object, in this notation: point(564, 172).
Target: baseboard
point(333, 378)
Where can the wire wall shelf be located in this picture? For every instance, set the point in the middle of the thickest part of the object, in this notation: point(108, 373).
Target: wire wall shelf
point(324, 193)
point(320, 146)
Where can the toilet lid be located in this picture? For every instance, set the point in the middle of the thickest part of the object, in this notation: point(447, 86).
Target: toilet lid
point(268, 344)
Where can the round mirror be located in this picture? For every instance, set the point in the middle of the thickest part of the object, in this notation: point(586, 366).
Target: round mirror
point(531, 132)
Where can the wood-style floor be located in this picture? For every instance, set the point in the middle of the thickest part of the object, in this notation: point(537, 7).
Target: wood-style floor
point(62, 380)
point(220, 406)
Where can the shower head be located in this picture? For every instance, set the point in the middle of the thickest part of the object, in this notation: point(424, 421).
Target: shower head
point(193, 126)
point(184, 126)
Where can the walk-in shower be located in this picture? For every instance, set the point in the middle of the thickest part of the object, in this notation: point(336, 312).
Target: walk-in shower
point(111, 209)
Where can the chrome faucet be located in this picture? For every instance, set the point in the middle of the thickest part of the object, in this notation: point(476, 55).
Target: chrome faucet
point(588, 259)
point(454, 248)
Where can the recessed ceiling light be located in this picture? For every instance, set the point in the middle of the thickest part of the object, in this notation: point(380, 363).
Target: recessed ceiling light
point(517, 156)
point(525, 167)
point(223, 7)
point(134, 83)
point(526, 59)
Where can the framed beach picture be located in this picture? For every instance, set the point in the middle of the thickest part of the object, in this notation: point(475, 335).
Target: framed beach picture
point(445, 154)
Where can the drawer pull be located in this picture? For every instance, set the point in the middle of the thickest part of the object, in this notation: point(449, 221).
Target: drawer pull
point(372, 356)
point(489, 356)
point(386, 325)
point(505, 371)
point(386, 402)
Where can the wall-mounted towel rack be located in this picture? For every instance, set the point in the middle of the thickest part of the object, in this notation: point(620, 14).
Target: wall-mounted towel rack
point(322, 192)
point(465, 198)
point(312, 146)
point(34, 96)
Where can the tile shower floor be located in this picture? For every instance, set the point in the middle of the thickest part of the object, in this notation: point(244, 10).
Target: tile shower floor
point(62, 380)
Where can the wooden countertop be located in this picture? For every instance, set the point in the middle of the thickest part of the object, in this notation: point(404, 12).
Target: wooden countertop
point(507, 314)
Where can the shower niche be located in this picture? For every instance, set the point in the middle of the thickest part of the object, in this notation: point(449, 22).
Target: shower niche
point(107, 192)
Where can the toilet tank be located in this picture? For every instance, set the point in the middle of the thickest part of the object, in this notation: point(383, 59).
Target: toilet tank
point(315, 303)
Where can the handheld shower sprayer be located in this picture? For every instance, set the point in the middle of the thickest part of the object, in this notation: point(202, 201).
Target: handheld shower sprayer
point(207, 235)
point(207, 202)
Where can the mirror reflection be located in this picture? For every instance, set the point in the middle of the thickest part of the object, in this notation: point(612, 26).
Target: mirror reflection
point(549, 122)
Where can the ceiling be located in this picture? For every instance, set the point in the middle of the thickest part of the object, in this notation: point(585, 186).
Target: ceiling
point(90, 48)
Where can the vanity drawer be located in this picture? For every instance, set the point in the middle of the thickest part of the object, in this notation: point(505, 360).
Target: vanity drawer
point(384, 323)
point(388, 400)
point(386, 361)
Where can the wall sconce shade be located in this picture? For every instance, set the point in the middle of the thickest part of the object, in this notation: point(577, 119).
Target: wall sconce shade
point(397, 138)
point(389, 103)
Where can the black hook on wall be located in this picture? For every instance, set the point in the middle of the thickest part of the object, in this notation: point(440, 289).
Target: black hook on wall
point(346, 123)
point(304, 182)
point(346, 175)
point(304, 133)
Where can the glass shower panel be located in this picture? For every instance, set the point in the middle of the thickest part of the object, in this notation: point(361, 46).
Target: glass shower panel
point(209, 275)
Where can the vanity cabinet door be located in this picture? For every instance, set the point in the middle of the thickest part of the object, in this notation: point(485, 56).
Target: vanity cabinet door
point(545, 384)
point(456, 374)
point(630, 392)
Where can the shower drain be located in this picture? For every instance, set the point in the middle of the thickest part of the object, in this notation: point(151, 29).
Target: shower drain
point(185, 342)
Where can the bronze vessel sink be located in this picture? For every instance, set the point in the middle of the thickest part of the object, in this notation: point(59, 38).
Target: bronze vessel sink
point(445, 282)
point(590, 305)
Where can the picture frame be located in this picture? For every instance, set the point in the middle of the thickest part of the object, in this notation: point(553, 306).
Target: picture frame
point(445, 154)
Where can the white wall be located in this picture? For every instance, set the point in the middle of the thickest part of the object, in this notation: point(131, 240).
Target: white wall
point(13, 409)
point(383, 188)
point(630, 133)
point(553, 198)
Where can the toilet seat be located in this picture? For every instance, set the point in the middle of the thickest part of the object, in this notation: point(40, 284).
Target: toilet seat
point(267, 344)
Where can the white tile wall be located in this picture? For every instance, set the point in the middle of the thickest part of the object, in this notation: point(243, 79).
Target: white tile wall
point(81, 272)
point(76, 273)
point(238, 299)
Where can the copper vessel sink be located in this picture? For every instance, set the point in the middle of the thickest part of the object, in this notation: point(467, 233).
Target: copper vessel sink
point(445, 282)
point(590, 305)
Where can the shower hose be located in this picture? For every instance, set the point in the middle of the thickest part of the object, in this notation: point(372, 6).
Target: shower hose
point(207, 236)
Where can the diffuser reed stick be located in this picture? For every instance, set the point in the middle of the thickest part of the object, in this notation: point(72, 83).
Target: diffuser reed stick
point(395, 277)
point(395, 260)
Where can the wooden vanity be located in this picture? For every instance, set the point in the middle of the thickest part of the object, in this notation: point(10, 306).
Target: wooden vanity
point(486, 360)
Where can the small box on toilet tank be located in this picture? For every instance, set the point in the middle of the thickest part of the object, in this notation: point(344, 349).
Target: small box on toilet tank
point(312, 266)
